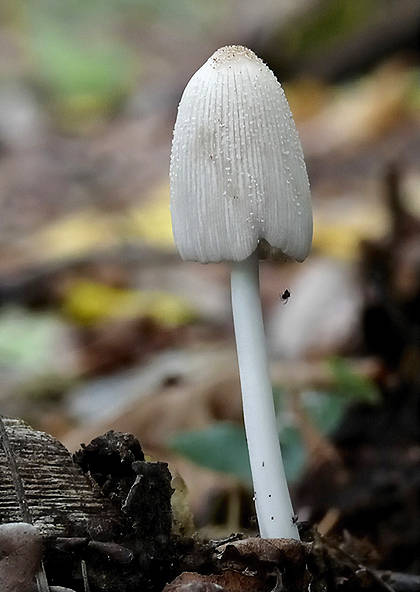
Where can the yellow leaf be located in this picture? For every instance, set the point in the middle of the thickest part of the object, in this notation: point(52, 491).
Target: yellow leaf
point(151, 221)
point(76, 234)
point(306, 97)
point(89, 303)
point(339, 235)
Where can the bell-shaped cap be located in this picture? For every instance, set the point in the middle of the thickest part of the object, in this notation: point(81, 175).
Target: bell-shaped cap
point(238, 177)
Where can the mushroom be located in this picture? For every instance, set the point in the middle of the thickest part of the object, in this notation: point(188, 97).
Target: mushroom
point(239, 193)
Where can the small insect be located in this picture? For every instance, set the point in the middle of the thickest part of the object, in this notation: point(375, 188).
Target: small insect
point(295, 519)
point(285, 296)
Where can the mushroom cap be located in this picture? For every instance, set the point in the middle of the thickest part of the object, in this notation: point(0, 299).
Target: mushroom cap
point(238, 177)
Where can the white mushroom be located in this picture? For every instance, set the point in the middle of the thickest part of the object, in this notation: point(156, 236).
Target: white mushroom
point(239, 192)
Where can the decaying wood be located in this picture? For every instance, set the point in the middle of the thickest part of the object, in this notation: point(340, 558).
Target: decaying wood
point(53, 493)
point(105, 514)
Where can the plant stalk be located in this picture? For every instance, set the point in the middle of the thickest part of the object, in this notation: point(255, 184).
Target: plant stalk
point(272, 498)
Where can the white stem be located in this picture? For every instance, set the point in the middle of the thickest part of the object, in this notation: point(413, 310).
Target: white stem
point(272, 499)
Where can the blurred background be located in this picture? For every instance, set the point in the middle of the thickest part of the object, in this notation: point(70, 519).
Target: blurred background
point(103, 327)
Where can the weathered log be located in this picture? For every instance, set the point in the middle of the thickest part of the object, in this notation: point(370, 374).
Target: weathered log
point(40, 484)
point(105, 519)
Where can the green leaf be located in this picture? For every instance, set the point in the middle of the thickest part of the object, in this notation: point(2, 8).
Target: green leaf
point(293, 452)
point(351, 385)
point(85, 80)
point(72, 67)
point(28, 341)
point(325, 410)
point(334, 23)
point(221, 447)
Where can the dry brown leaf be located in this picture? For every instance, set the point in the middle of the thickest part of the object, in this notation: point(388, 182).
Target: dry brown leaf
point(262, 550)
point(266, 557)
point(227, 581)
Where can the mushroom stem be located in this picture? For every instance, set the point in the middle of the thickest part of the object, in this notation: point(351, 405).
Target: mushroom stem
point(272, 498)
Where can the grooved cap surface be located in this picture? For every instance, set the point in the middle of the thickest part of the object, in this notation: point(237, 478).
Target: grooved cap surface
point(237, 171)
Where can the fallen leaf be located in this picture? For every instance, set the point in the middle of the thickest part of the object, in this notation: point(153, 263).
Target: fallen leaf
point(255, 550)
point(151, 221)
point(89, 303)
point(227, 581)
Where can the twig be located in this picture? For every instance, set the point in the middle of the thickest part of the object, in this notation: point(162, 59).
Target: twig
point(41, 577)
point(17, 481)
point(85, 576)
point(278, 587)
point(41, 580)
